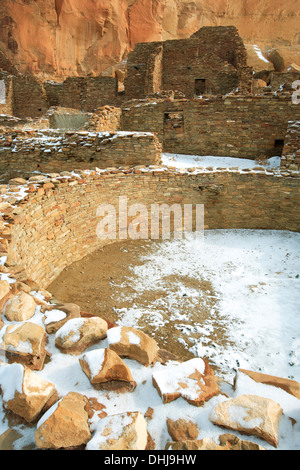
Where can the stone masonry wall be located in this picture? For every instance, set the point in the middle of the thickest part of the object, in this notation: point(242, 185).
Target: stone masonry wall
point(235, 125)
point(291, 152)
point(29, 97)
point(55, 151)
point(214, 59)
point(56, 223)
point(83, 93)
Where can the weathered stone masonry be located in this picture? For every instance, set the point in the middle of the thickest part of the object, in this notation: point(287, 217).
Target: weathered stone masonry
point(236, 126)
point(56, 224)
point(55, 150)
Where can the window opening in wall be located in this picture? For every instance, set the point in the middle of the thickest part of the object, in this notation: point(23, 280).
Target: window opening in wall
point(278, 145)
point(200, 86)
point(174, 125)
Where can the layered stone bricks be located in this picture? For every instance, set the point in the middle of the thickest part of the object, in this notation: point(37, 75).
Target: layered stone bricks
point(242, 126)
point(56, 150)
point(57, 225)
point(291, 151)
point(212, 61)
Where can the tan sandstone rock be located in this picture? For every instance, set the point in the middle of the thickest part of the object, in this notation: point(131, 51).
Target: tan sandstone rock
point(106, 370)
point(235, 443)
point(125, 431)
point(24, 392)
point(226, 442)
point(251, 415)
point(192, 380)
point(181, 430)
point(105, 31)
point(289, 386)
point(20, 308)
point(200, 444)
point(55, 316)
point(4, 289)
point(25, 344)
point(78, 334)
point(65, 424)
point(134, 344)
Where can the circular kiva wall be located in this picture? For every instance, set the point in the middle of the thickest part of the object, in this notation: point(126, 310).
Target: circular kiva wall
point(56, 223)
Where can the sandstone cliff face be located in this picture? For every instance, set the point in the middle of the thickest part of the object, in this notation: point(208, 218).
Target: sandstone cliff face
point(58, 38)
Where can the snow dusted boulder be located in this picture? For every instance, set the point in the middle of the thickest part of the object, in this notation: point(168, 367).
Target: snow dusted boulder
point(65, 424)
point(125, 431)
point(24, 392)
point(134, 344)
point(290, 386)
point(55, 316)
point(20, 308)
point(25, 344)
point(106, 370)
point(78, 334)
point(192, 380)
point(251, 415)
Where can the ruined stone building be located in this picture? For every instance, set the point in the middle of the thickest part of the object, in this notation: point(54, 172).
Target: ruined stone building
point(212, 61)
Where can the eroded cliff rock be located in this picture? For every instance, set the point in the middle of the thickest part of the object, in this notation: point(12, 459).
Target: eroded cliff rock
point(58, 38)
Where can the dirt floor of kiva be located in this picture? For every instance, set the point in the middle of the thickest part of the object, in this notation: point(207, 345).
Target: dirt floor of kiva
point(104, 284)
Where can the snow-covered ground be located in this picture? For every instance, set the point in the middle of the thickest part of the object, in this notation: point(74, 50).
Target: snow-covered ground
point(256, 277)
point(190, 161)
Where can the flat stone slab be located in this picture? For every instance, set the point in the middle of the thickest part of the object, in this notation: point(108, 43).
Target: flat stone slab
point(192, 380)
point(251, 415)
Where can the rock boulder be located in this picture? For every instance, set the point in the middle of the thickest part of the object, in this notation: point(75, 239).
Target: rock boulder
point(134, 344)
point(26, 344)
point(78, 334)
point(125, 431)
point(65, 424)
point(20, 308)
point(192, 380)
point(24, 392)
point(106, 370)
point(251, 415)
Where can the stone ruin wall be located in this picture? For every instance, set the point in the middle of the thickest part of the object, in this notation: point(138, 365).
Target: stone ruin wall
point(55, 150)
point(234, 126)
point(216, 55)
point(83, 93)
point(26, 97)
point(55, 224)
point(291, 152)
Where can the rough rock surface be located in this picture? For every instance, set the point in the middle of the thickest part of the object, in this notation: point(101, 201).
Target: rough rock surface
point(125, 431)
point(65, 424)
point(106, 370)
point(134, 344)
point(226, 442)
point(78, 334)
point(20, 308)
point(24, 392)
point(288, 385)
point(251, 415)
point(53, 321)
point(25, 344)
point(107, 30)
point(181, 430)
point(192, 380)
point(4, 289)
